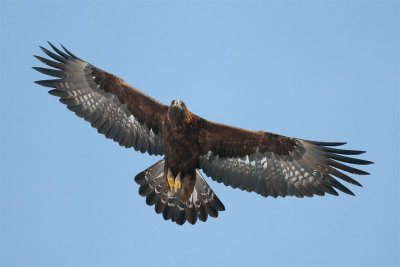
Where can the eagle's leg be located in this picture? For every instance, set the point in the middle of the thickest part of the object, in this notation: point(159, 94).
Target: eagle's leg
point(178, 183)
point(174, 182)
point(171, 179)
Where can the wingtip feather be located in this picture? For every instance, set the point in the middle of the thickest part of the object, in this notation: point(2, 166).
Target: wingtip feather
point(47, 83)
point(59, 51)
point(327, 143)
point(50, 72)
point(69, 52)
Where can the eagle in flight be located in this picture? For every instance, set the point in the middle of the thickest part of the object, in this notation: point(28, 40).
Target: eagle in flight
point(256, 161)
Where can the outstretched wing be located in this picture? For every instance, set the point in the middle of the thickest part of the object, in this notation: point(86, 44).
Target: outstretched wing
point(274, 165)
point(113, 107)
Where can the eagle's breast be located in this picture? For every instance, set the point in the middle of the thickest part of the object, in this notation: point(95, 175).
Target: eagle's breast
point(181, 140)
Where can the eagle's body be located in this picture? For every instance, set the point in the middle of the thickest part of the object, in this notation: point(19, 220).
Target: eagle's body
point(181, 131)
point(256, 161)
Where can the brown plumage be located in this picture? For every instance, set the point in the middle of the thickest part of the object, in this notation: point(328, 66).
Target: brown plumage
point(255, 161)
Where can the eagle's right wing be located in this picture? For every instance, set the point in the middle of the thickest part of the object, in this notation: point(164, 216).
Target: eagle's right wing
point(114, 108)
point(274, 165)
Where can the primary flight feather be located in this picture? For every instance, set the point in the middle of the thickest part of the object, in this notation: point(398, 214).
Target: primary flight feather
point(255, 161)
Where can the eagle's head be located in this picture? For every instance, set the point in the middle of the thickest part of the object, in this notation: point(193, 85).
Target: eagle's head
point(178, 111)
point(177, 104)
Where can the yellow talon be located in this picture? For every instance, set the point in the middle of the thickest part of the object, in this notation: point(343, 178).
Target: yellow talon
point(177, 185)
point(174, 182)
point(171, 182)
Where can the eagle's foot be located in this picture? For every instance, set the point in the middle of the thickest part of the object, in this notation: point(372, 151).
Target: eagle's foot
point(170, 179)
point(174, 182)
point(171, 182)
point(177, 184)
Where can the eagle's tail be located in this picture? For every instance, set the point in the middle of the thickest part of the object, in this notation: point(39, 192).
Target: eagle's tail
point(201, 203)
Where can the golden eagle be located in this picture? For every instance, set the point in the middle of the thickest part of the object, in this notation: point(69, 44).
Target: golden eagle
point(256, 161)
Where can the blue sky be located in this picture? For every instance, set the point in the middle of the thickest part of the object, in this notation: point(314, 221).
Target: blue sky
point(327, 71)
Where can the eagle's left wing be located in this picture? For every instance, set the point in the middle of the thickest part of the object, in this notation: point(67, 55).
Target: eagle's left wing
point(274, 165)
point(113, 107)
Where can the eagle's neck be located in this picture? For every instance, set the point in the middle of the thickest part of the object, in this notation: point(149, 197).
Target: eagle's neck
point(179, 117)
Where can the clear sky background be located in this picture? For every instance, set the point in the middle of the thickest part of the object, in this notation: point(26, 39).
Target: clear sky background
point(319, 70)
